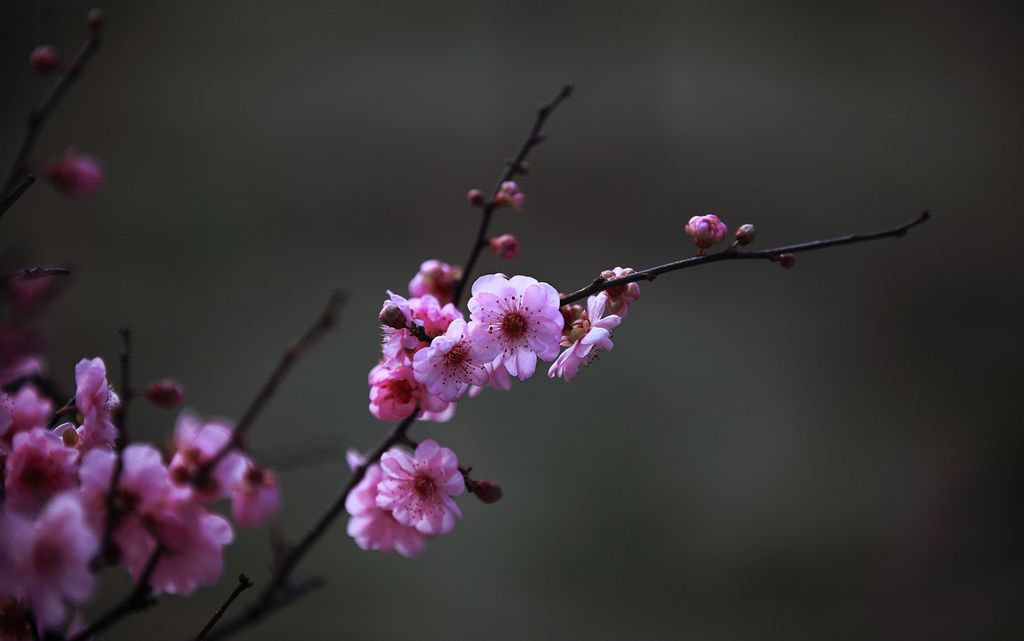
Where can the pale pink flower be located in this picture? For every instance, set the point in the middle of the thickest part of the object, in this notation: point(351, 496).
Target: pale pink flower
point(395, 394)
point(497, 377)
point(96, 401)
point(39, 467)
point(706, 231)
point(452, 363)
point(197, 442)
point(77, 175)
point(436, 279)
point(618, 298)
point(374, 528)
point(589, 333)
point(25, 409)
point(505, 246)
point(441, 416)
point(47, 561)
point(256, 496)
point(516, 318)
point(510, 195)
point(398, 342)
point(417, 489)
point(432, 316)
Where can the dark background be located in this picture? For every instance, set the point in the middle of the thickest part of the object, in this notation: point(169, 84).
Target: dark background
point(830, 452)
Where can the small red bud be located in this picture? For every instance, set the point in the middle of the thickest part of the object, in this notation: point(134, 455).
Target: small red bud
point(44, 59)
point(787, 260)
point(392, 316)
point(166, 393)
point(745, 234)
point(487, 492)
point(506, 246)
point(475, 197)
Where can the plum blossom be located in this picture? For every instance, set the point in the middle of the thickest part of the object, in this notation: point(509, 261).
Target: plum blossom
point(197, 443)
point(589, 332)
point(452, 363)
point(255, 497)
point(519, 320)
point(497, 378)
point(26, 409)
point(398, 342)
point(618, 298)
point(96, 402)
point(46, 561)
point(417, 489)
point(706, 231)
point(437, 279)
point(373, 527)
point(76, 174)
point(432, 316)
point(39, 467)
point(505, 246)
point(395, 394)
point(509, 195)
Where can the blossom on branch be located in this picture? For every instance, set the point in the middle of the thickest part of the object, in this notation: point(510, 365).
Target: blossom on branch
point(588, 333)
point(417, 489)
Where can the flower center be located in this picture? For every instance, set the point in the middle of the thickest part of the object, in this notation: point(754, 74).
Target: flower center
point(424, 486)
point(513, 324)
point(457, 354)
point(401, 390)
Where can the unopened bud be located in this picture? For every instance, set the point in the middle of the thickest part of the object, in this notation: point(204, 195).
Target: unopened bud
point(523, 168)
point(93, 21)
point(487, 492)
point(745, 234)
point(77, 175)
point(44, 59)
point(166, 393)
point(787, 260)
point(391, 316)
point(506, 246)
point(706, 231)
point(475, 197)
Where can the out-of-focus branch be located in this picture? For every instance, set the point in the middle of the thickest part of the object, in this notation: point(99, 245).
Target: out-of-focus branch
point(30, 273)
point(243, 584)
point(8, 201)
point(113, 505)
point(139, 598)
point(732, 253)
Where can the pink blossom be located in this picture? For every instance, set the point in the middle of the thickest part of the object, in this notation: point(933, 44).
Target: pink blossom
point(374, 528)
point(589, 333)
point(441, 416)
point(510, 195)
point(197, 442)
point(506, 246)
point(436, 279)
point(706, 231)
point(77, 175)
point(39, 467)
point(96, 402)
point(417, 489)
point(451, 363)
point(395, 394)
point(518, 319)
point(47, 561)
point(255, 498)
point(433, 317)
point(26, 409)
point(497, 377)
point(618, 298)
point(398, 341)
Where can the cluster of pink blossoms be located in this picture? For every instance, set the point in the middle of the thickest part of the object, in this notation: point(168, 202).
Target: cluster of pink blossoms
point(57, 482)
point(432, 356)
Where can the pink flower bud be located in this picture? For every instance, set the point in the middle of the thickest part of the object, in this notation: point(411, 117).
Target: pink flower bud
point(487, 492)
point(77, 175)
point(510, 196)
point(745, 234)
point(475, 197)
point(706, 231)
point(44, 59)
point(506, 246)
point(391, 315)
point(787, 260)
point(166, 393)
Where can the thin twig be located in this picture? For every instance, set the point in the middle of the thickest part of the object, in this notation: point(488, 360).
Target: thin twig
point(243, 584)
point(732, 253)
point(30, 273)
point(41, 111)
point(113, 508)
point(139, 598)
point(512, 166)
point(8, 201)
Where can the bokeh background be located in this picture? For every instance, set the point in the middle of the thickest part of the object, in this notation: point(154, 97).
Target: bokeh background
point(829, 452)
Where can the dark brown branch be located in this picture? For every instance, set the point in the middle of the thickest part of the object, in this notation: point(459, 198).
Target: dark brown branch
point(40, 112)
point(30, 273)
point(8, 201)
point(278, 591)
point(107, 545)
point(243, 584)
point(139, 598)
point(321, 326)
point(512, 167)
point(732, 253)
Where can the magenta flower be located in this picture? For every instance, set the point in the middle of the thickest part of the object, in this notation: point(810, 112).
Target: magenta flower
point(77, 175)
point(395, 394)
point(374, 528)
point(618, 298)
point(398, 343)
point(197, 442)
point(516, 318)
point(96, 401)
point(47, 561)
point(436, 279)
point(39, 467)
point(505, 246)
point(706, 231)
point(452, 363)
point(25, 410)
point(589, 333)
point(509, 195)
point(256, 497)
point(417, 489)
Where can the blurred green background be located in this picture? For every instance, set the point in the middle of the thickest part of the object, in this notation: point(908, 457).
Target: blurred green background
point(830, 452)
